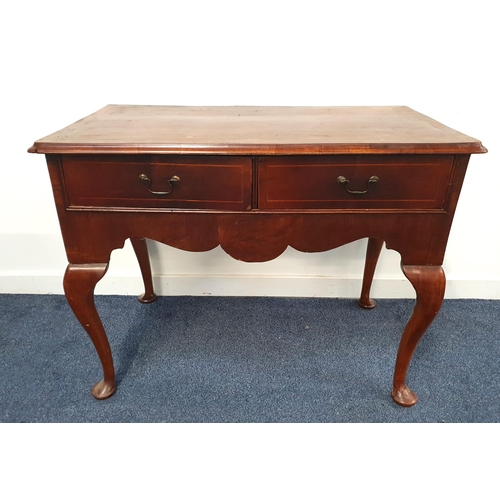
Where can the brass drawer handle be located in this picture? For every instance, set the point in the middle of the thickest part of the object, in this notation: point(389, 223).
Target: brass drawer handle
point(146, 180)
point(342, 180)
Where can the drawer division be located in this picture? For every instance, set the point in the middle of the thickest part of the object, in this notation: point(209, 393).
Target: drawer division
point(158, 181)
point(414, 182)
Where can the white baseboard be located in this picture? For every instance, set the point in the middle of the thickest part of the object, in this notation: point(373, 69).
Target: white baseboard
point(245, 285)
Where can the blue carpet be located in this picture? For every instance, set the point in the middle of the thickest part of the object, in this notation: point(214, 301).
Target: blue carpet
point(233, 359)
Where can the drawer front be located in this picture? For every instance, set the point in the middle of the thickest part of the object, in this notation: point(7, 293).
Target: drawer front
point(354, 182)
point(158, 181)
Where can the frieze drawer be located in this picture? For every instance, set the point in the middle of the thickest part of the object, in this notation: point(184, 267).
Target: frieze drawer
point(417, 182)
point(158, 181)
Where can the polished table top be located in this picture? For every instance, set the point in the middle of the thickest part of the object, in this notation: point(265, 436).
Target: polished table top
point(257, 131)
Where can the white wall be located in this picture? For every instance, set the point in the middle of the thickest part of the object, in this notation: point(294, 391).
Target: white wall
point(64, 60)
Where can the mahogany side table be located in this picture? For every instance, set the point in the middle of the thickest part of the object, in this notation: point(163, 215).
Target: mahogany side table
point(255, 180)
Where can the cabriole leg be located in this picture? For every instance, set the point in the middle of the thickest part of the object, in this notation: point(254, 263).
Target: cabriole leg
point(372, 254)
point(141, 252)
point(429, 283)
point(79, 283)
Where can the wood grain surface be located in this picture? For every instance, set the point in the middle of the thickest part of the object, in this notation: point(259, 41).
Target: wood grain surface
point(257, 131)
